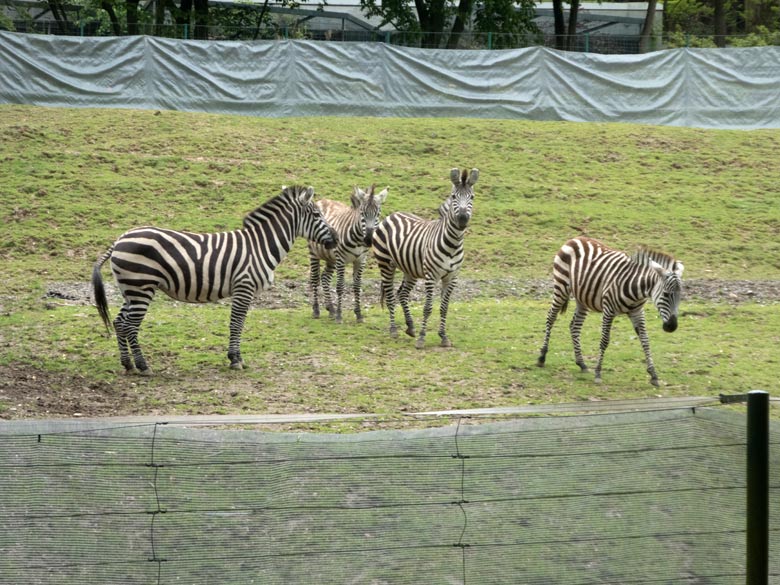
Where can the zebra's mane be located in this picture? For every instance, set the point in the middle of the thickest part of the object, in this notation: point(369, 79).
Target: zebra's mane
point(290, 193)
point(645, 255)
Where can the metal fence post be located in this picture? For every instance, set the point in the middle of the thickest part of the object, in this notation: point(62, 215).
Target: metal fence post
point(757, 488)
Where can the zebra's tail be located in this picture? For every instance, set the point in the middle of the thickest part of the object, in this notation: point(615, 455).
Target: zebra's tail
point(99, 290)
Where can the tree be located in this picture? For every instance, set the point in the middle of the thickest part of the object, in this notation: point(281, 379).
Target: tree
point(645, 36)
point(434, 19)
point(511, 18)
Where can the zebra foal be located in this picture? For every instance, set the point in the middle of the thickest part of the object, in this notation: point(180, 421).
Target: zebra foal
point(201, 268)
point(613, 283)
point(427, 249)
point(354, 226)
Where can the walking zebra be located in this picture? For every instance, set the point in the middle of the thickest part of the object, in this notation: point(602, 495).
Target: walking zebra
point(613, 283)
point(421, 248)
point(354, 226)
point(201, 268)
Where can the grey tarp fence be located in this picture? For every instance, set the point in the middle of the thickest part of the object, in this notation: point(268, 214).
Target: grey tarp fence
point(708, 88)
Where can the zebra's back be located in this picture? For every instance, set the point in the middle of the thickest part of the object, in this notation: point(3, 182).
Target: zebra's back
point(190, 267)
point(404, 239)
point(594, 273)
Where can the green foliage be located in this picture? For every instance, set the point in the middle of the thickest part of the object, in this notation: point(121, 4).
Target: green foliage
point(510, 18)
point(762, 37)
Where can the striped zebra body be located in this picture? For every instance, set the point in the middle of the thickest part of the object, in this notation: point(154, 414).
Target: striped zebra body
point(354, 226)
point(201, 268)
point(425, 249)
point(613, 283)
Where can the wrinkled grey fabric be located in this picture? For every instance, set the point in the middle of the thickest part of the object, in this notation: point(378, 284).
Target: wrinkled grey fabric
point(708, 88)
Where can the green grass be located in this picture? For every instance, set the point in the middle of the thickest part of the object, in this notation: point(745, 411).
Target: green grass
point(72, 180)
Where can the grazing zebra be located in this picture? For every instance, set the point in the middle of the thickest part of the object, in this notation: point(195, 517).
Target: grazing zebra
point(201, 268)
point(613, 283)
point(354, 226)
point(421, 248)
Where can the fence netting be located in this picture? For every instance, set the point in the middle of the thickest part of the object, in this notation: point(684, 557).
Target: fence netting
point(652, 497)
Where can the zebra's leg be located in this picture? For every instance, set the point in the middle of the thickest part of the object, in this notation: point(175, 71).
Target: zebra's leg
point(430, 285)
point(403, 298)
point(339, 287)
point(121, 329)
point(357, 280)
point(606, 327)
point(127, 324)
point(314, 285)
point(638, 321)
point(558, 305)
point(387, 274)
point(575, 327)
point(239, 307)
point(327, 275)
point(447, 286)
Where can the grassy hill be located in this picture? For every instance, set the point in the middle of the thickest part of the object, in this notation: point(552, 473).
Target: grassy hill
point(72, 180)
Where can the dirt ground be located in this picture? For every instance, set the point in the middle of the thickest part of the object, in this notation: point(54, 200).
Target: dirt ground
point(29, 392)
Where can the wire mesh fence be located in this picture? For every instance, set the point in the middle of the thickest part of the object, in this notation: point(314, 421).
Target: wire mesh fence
point(586, 41)
point(652, 497)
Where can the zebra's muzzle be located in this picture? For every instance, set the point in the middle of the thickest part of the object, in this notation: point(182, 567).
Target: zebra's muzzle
point(332, 241)
point(671, 325)
point(368, 238)
point(462, 220)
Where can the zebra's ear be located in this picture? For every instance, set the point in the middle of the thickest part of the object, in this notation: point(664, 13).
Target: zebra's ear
point(678, 268)
point(660, 270)
point(357, 197)
point(382, 195)
point(455, 176)
point(473, 177)
point(306, 195)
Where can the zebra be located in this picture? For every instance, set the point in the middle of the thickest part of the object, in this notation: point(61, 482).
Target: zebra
point(613, 283)
point(354, 226)
point(201, 268)
point(427, 249)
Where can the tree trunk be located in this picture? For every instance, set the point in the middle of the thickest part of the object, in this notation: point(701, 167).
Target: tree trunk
point(719, 17)
point(560, 24)
point(201, 19)
point(646, 35)
point(59, 14)
point(116, 28)
point(571, 34)
point(132, 17)
point(431, 19)
point(461, 18)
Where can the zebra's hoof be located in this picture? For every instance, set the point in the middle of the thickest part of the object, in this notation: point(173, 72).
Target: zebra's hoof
point(394, 333)
point(147, 372)
point(315, 315)
point(237, 366)
point(420, 343)
point(410, 331)
point(654, 382)
point(446, 342)
point(359, 319)
point(584, 368)
point(597, 379)
point(540, 363)
point(130, 371)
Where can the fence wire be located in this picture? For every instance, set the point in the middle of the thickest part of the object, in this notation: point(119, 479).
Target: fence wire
point(639, 498)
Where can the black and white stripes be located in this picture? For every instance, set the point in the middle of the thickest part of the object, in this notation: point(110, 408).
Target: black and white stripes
point(613, 283)
point(427, 249)
point(200, 268)
point(354, 226)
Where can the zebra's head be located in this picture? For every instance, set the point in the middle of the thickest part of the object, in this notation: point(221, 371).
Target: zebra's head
point(369, 205)
point(458, 206)
point(312, 225)
point(667, 292)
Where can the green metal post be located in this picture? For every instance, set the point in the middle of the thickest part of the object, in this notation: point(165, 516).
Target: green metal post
point(587, 42)
point(757, 488)
point(186, 31)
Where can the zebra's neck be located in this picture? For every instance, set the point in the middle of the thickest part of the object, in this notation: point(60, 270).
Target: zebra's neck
point(272, 228)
